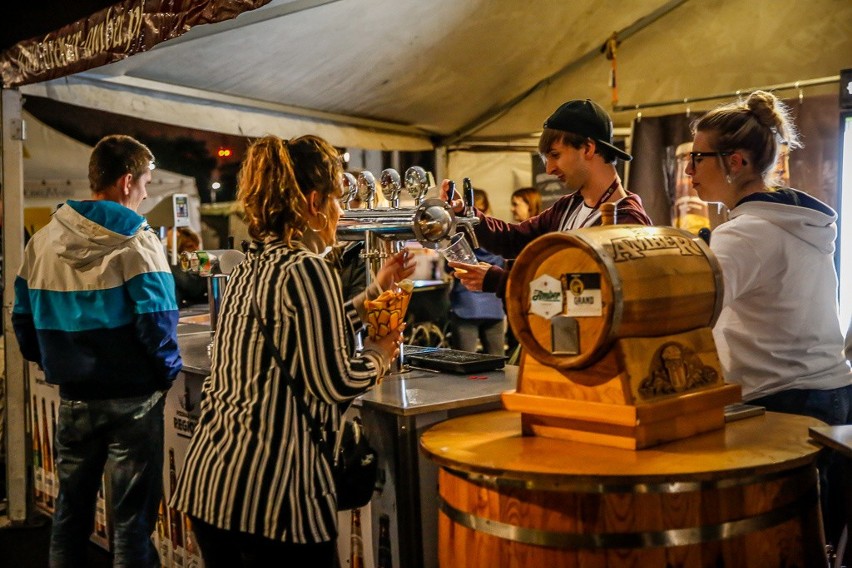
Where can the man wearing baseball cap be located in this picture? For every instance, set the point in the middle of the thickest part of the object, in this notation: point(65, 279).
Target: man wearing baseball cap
point(576, 146)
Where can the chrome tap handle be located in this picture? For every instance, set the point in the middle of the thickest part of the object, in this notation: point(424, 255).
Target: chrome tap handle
point(391, 186)
point(417, 183)
point(367, 189)
point(350, 190)
point(469, 198)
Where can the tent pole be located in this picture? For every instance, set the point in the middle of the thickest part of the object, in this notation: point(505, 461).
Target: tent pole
point(17, 448)
point(441, 158)
point(737, 93)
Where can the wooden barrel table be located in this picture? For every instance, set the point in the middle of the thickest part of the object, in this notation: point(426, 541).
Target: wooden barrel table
point(746, 495)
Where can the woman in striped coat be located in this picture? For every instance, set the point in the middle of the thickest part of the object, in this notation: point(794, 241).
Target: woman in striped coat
point(254, 482)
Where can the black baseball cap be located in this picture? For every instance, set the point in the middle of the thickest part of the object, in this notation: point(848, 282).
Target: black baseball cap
point(586, 118)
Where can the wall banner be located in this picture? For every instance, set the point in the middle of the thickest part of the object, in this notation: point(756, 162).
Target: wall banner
point(112, 34)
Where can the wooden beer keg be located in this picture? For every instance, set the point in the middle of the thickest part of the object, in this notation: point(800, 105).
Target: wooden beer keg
point(741, 497)
point(570, 295)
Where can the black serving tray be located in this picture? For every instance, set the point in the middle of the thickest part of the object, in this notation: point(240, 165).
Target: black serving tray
point(453, 361)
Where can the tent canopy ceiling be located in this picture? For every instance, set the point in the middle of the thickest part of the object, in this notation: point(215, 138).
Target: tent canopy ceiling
point(408, 74)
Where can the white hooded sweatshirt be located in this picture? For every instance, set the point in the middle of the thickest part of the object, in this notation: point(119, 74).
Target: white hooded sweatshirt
point(779, 327)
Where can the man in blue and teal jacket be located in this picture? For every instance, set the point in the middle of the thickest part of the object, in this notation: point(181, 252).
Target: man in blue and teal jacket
point(95, 308)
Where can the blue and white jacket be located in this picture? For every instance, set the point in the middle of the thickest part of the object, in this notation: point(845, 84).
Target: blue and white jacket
point(95, 304)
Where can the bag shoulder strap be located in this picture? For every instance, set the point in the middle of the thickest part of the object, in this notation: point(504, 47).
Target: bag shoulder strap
point(313, 424)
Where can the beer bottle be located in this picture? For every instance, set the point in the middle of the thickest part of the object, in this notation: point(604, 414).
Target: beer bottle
point(46, 458)
point(356, 548)
point(193, 554)
point(201, 262)
point(162, 530)
point(163, 538)
point(53, 448)
point(37, 465)
point(100, 513)
point(175, 520)
point(385, 559)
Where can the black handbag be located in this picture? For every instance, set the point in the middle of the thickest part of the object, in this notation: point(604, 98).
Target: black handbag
point(354, 463)
point(355, 468)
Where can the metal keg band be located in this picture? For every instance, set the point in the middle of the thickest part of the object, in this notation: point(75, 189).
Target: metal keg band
point(805, 475)
point(628, 540)
point(617, 288)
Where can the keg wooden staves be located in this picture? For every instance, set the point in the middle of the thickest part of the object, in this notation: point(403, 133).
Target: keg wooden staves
point(615, 322)
point(740, 497)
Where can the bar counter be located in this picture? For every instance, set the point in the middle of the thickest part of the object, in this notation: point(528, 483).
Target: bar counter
point(395, 413)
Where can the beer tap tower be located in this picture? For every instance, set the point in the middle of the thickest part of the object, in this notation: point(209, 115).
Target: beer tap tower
point(429, 221)
point(384, 230)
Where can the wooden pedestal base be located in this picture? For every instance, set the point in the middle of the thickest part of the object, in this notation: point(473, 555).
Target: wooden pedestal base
point(628, 427)
point(645, 391)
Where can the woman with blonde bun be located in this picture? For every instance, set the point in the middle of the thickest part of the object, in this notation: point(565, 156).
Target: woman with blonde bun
point(778, 334)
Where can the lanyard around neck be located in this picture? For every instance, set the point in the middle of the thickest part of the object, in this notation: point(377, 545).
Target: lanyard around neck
point(573, 221)
point(607, 194)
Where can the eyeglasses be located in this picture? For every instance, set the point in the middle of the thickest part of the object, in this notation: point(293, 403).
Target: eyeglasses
point(693, 155)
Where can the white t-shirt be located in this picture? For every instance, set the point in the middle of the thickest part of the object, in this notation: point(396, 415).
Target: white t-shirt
point(579, 217)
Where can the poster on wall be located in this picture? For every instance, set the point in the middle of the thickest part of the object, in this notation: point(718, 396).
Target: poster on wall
point(174, 538)
point(44, 406)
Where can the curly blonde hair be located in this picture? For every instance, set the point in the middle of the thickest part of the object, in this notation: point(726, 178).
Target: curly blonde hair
point(277, 176)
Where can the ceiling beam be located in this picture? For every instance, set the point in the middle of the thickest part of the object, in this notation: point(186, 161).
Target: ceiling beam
point(152, 88)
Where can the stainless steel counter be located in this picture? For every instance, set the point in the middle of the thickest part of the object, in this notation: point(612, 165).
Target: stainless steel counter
point(411, 393)
point(419, 392)
point(193, 343)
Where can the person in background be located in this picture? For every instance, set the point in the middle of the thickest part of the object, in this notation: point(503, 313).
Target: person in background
point(778, 334)
point(255, 484)
point(477, 317)
point(576, 146)
point(95, 308)
point(526, 203)
point(190, 287)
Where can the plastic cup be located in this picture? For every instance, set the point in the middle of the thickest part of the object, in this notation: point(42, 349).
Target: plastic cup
point(459, 250)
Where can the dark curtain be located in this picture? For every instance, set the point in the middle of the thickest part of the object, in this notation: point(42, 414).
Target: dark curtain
point(813, 168)
point(655, 140)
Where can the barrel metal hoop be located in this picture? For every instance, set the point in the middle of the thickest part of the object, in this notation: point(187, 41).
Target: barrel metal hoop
point(615, 281)
point(806, 476)
point(717, 277)
point(630, 540)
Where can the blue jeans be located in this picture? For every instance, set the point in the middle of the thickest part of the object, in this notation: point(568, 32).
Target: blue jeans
point(126, 436)
point(834, 407)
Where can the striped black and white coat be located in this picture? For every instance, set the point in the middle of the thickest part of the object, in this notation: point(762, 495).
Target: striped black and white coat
point(252, 465)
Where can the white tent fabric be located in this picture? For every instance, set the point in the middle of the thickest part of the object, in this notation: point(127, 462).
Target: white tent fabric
point(406, 74)
point(56, 169)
